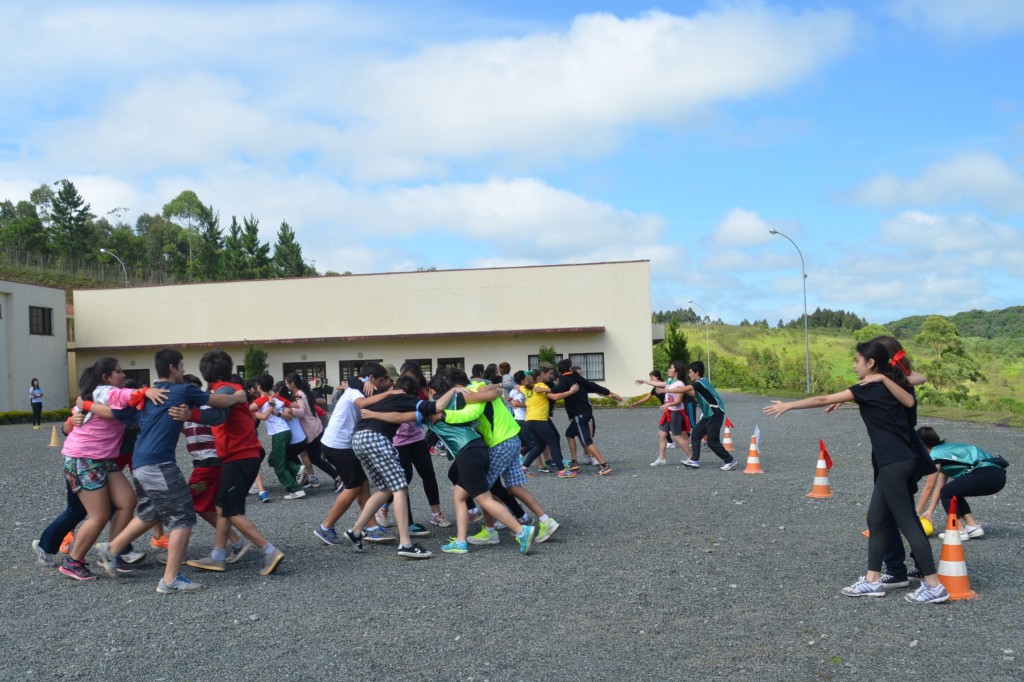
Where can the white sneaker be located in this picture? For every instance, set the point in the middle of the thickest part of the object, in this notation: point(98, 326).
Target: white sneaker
point(692, 463)
point(729, 466)
point(382, 518)
point(659, 463)
point(297, 495)
point(672, 446)
point(253, 489)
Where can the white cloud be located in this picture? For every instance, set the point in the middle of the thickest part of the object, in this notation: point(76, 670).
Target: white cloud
point(740, 228)
point(962, 18)
point(979, 177)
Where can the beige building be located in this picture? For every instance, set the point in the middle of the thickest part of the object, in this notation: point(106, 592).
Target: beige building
point(598, 315)
point(33, 344)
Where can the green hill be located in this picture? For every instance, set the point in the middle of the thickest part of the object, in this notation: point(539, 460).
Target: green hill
point(985, 324)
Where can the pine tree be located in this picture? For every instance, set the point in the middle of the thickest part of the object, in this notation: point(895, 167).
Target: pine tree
point(69, 228)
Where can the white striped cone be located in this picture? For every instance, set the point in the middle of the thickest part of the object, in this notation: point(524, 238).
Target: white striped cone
point(952, 566)
point(822, 488)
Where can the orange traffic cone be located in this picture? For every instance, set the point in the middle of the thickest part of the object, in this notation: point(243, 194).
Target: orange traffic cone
point(727, 438)
point(753, 458)
point(53, 438)
point(822, 488)
point(952, 567)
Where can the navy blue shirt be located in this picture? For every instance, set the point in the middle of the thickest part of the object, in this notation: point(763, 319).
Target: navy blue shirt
point(158, 432)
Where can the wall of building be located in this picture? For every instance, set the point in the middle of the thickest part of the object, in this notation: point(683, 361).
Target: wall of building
point(23, 355)
point(479, 315)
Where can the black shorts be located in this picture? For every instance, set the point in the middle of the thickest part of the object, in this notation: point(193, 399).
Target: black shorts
point(582, 426)
point(348, 467)
point(235, 480)
point(675, 424)
point(471, 465)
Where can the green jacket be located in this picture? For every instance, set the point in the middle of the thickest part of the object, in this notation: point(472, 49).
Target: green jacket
point(957, 459)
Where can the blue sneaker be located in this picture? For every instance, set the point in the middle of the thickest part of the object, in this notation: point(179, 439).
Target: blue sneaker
point(928, 595)
point(455, 546)
point(329, 536)
point(863, 588)
point(525, 538)
point(378, 534)
point(418, 530)
point(264, 497)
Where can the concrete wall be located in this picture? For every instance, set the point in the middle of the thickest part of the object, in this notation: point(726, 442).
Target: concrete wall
point(24, 355)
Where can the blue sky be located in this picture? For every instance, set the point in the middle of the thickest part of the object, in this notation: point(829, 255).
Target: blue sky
point(885, 138)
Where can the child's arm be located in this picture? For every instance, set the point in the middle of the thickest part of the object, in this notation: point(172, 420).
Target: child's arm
point(940, 480)
point(650, 382)
point(98, 409)
point(778, 407)
point(484, 394)
point(224, 400)
point(367, 401)
point(926, 493)
point(558, 396)
point(903, 397)
point(389, 417)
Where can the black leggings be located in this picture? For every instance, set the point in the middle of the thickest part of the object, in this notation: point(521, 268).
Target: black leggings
point(37, 414)
point(316, 456)
point(986, 480)
point(544, 434)
point(417, 455)
point(892, 497)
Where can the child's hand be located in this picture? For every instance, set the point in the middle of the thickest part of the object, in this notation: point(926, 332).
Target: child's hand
point(574, 388)
point(872, 379)
point(832, 408)
point(180, 413)
point(776, 408)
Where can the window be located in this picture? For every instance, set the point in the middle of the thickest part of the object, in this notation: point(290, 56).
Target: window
point(591, 364)
point(40, 321)
point(139, 376)
point(349, 369)
point(240, 371)
point(458, 363)
point(307, 370)
point(532, 361)
point(425, 367)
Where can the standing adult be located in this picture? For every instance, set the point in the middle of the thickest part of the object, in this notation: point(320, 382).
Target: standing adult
point(35, 397)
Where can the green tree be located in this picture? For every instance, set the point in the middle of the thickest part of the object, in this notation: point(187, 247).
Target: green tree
point(949, 365)
point(257, 253)
point(869, 332)
point(547, 354)
point(255, 360)
point(210, 257)
point(288, 260)
point(21, 228)
point(159, 241)
point(188, 213)
point(675, 344)
point(69, 222)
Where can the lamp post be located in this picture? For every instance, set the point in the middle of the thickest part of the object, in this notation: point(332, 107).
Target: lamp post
point(123, 268)
point(807, 336)
point(707, 332)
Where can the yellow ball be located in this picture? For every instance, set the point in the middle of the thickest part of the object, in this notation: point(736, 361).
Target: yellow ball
point(928, 528)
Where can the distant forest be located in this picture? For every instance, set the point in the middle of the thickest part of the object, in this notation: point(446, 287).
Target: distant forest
point(984, 324)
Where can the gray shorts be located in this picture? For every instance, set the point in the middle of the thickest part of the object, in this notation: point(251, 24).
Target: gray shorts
point(163, 496)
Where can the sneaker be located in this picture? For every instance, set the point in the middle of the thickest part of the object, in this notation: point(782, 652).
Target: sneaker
point(413, 551)
point(475, 514)
point(964, 535)
point(180, 584)
point(692, 463)
point(107, 561)
point(525, 538)
point(301, 475)
point(729, 466)
point(133, 557)
point(43, 558)
point(418, 530)
point(862, 588)
point(529, 472)
point(485, 536)
point(160, 542)
point(440, 520)
point(605, 470)
point(329, 536)
point(544, 470)
point(339, 485)
point(264, 497)
point(271, 561)
point(66, 543)
point(498, 525)
point(381, 517)
point(659, 463)
point(240, 550)
point(915, 573)
point(890, 581)
point(928, 595)
point(566, 473)
point(546, 530)
point(208, 563)
point(76, 569)
point(253, 489)
point(455, 546)
point(313, 481)
point(973, 532)
point(574, 466)
point(378, 535)
point(672, 446)
point(356, 540)
point(297, 495)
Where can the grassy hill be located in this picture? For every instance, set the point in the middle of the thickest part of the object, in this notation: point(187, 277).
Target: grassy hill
point(995, 324)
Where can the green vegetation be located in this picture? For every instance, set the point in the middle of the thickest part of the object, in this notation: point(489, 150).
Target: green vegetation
point(26, 417)
point(255, 361)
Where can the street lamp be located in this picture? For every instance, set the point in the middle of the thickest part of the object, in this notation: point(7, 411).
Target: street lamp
point(123, 268)
point(707, 332)
point(807, 336)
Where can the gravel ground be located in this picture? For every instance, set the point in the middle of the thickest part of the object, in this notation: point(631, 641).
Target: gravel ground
point(656, 573)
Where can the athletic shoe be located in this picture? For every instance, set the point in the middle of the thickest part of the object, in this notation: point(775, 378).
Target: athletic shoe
point(605, 470)
point(418, 530)
point(546, 529)
point(339, 485)
point(271, 561)
point(692, 463)
point(329, 536)
point(498, 525)
point(475, 514)
point(928, 595)
point(413, 551)
point(529, 473)
point(253, 489)
point(729, 466)
point(974, 532)
point(301, 475)
point(66, 543)
point(43, 558)
point(313, 481)
point(133, 557)
point(76, 569)
point(890, 581)
point(862, 588)
point(356, 540)
point(381, 517)
point(440, 520)
point(264, 497)
point(297, 495)
point(574, 466)
point(180, 584)
point(672, 446)
point(208, 563)
point(659, 463)
point(106, 560)
point(485, 536)
point(915, 573)
point(378, 535)
point(160, 542)
point(455, 546)
point(240, 550)
point(566, 473)
point(525, 538)
point(544, 470)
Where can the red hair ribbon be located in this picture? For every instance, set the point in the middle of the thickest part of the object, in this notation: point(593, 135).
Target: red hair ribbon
point(896, 360)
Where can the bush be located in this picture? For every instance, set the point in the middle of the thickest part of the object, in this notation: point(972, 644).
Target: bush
point(26, 417)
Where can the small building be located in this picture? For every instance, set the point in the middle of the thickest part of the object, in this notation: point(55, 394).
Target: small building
point(597, 314)
point(33, 345)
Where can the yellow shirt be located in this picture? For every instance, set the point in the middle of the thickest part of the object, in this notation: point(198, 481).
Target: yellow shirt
point(538, 408)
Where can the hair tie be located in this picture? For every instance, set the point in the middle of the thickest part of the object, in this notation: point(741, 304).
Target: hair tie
point(897, 361)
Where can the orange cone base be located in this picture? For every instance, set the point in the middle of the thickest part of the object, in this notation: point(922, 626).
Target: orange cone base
point(820, 494)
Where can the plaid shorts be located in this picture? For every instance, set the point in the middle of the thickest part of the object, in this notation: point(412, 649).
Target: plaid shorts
point(505, 463)
point(163, 495)
point(380, 460)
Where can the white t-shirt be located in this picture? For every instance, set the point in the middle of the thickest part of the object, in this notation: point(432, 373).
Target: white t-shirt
point(674, 401)
point(518, 412)
point(275, 423)
point(338, 434)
